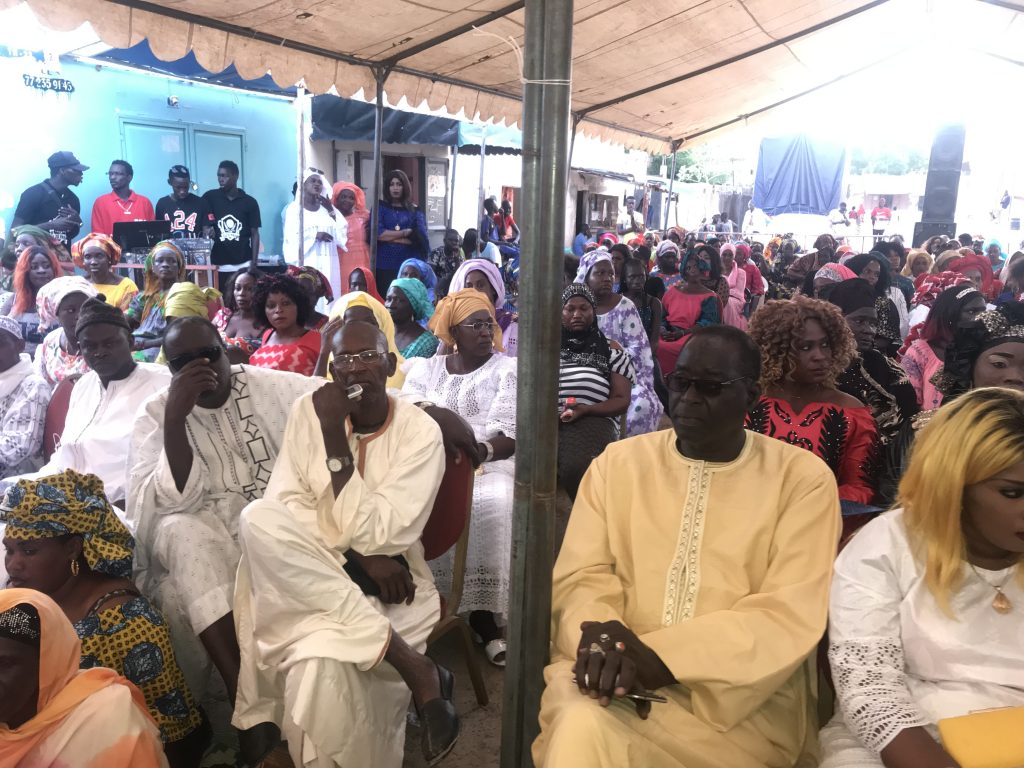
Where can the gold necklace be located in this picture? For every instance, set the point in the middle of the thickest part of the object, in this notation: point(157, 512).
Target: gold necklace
point(1000, 603)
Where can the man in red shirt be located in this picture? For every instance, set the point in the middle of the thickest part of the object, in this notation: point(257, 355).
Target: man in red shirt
point(120, 204)
point(881, 215)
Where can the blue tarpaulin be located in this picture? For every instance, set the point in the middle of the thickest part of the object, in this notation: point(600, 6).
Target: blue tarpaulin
point(796, 174)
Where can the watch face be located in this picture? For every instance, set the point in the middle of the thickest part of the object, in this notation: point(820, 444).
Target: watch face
point(335, 465)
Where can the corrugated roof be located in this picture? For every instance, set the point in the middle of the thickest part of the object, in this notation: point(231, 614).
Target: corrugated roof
point(645, 72)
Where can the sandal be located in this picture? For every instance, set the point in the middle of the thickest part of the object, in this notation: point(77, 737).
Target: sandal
point(496, 651)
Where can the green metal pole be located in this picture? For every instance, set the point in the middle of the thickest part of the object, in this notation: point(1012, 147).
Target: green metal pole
point(548, 58)
point(380, 74)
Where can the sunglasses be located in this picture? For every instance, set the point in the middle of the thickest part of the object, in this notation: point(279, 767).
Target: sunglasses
point(479, 325)
point(366, 357)
point(212, 354)
point(706, 387)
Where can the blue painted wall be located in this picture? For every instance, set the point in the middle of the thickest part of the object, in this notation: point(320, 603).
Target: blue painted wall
point(88, 123)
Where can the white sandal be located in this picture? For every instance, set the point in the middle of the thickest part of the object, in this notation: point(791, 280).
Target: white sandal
point(495, 649)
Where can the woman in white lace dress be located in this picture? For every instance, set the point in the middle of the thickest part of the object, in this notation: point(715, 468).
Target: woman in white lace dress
point(927, 610)
point(478, 383)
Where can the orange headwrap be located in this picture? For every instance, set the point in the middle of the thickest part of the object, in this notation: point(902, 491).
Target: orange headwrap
point(456, 307)
point(62, 687)
point(112, 249)
point(360, 205)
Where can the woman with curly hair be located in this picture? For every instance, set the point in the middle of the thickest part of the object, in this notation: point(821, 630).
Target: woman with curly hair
point(36, 266)
point(281, 305)
point(805, 345)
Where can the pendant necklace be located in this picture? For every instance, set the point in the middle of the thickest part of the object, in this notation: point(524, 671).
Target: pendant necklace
point(1000, 603)
point(125, 210)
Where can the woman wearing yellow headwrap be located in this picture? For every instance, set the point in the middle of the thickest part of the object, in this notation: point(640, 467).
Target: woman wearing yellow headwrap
point(360, 306)
point(479, 384)
point(64, 539)
point(186, 299)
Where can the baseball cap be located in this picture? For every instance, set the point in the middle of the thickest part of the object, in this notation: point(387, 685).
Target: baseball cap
point(11, 325)
point(65, 160)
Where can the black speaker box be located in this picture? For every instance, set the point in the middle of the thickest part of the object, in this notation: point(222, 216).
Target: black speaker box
point(940, 192)
point(925, 229)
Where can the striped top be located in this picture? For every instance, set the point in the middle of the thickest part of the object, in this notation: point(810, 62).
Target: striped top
point(587, 384)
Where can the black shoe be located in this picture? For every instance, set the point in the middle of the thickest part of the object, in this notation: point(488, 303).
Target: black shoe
point(254, 744)
point(439, 722)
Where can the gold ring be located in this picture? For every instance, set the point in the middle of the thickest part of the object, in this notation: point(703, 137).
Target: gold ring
point(595, 648)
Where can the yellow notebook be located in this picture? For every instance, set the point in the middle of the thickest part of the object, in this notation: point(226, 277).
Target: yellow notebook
point(992, 738)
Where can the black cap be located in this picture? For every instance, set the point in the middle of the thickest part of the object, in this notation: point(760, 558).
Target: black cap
point(65, 160)
point(96, 310)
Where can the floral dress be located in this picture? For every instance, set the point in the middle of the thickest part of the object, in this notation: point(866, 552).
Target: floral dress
point(247, 345)
point(921, 365)
point(53, 363)
point(623, 324)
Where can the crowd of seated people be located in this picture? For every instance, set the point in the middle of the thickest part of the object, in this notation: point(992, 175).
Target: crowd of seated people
point(221, 498)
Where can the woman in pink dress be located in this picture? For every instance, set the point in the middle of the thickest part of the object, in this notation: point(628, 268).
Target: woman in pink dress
point(925, 348)
point(351, 201)
point(687, 305)
point(736, 276)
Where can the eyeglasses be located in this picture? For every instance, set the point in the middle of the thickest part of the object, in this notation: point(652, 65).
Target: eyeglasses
point(212, 354)
point(479, 325)
point(366, 357)
point(705, 387)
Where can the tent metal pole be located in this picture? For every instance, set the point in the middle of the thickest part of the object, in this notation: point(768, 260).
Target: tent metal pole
point(451, 192)
point(671, 181)
point(380, 74)
point(546, 105)
point(300, 193)
point(481, 237)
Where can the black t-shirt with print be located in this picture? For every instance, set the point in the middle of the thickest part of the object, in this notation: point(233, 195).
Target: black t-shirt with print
point(233, 224)
point(187, 217)
point(41, 202)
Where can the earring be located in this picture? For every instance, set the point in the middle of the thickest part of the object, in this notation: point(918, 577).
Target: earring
point(74, 567)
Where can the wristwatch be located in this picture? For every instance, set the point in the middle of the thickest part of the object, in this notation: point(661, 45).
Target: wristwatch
point(338, 463)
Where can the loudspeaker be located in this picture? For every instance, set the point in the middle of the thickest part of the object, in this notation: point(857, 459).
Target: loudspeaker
point(943, 182)
point(940, 192)
point(925, 229)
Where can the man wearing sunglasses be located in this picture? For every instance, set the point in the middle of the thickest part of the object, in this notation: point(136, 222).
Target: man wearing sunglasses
point(202, 450)
point(693, 579)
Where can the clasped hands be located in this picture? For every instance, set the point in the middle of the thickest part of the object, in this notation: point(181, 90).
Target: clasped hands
point(612, 662)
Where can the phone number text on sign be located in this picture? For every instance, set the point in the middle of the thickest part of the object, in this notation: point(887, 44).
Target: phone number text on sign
point(57, 84)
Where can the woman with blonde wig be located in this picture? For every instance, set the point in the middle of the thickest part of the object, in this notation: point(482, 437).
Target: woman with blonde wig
point(927, 606)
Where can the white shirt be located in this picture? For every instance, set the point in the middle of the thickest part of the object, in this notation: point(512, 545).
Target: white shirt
point(99, 426)
point(318, 254)
point(897, 659)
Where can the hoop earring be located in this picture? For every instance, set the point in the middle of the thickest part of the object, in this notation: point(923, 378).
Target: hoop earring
point(74, 567)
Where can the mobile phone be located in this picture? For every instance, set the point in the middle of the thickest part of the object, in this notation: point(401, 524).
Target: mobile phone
point(651, 696)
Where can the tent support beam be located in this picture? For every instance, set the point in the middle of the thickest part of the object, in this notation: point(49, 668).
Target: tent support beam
point(380, 74)
point(426, 45)
point(546, 104)
point(732, 59)
point(671, 181)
